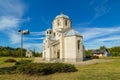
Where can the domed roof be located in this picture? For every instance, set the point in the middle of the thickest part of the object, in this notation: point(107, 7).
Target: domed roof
point(72, 32)
point(61, 15)
point(48, 29)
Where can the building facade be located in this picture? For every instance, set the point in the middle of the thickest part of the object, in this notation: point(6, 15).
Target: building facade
point(63, 43)
point(100, 53)
point(29, 53)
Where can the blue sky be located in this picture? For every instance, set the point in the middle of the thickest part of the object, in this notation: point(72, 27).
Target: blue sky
point(97, 20)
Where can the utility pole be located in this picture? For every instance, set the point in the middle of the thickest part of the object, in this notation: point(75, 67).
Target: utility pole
point(24, 32)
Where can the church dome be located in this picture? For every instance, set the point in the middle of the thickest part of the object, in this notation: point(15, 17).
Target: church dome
point(61, 15)
point(72, 32)
point(48, 29)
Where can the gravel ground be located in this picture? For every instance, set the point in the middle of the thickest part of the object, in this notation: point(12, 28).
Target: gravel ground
point(87, 62)
point(92, 61)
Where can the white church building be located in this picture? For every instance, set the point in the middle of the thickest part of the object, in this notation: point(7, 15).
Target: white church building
point(62, 43)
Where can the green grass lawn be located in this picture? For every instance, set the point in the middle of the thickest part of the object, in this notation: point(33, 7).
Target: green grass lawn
point(101, 71)
point(3, 64)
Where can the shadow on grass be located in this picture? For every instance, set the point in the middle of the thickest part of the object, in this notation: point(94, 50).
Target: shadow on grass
point(8, 70)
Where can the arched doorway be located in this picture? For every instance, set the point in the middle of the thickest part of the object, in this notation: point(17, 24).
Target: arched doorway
point(58, 54)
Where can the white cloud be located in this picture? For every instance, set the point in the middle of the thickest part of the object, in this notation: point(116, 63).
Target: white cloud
point(100, 11)
point(95, 44)
point(100, 8)
point(90, 33)
point(32, 46)
point(34, 38)
point(8, 22)
point(11, 12)
point(96, 37)
point(14, 37)
point(12, 7)
point(37, 33)
point(110, 38)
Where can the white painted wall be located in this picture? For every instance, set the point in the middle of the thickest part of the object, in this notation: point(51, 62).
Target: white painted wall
point(70, 49)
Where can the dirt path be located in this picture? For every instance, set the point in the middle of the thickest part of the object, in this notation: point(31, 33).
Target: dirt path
point(92, 61)
point(38, 60)
point(87, 62)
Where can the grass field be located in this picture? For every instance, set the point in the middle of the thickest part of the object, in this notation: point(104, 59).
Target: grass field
point(100, 71)
point(3, 64)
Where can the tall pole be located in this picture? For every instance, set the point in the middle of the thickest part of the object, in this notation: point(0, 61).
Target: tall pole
point(21, 50)
point(24, 32)
point(34, 52)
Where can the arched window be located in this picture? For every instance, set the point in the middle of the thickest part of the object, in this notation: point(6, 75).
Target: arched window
point(78, 44)
point(47, 32)
point(50, 32)
point(58, 54)
point(54, 34)
point(66, 22)
point(58, 22)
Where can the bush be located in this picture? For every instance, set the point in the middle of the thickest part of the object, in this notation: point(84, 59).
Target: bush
point(10, 60)
point(114, 53)
point(45, 68)
point(23, 62)
point(62, 67)
point(8, 70)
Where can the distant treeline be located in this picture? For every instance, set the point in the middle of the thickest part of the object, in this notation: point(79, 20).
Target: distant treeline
point(15, 52)
point(114, 51)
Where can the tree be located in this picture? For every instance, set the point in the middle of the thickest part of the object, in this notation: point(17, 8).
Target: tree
point(88, 53)
point(9, 51)
point(102, 47)
point(115, 51)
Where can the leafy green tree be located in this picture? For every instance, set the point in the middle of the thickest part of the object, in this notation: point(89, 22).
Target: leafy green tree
point(88, 53)
point(37, 54)
point(102, 47)
point(115, 51)
point(8, 51)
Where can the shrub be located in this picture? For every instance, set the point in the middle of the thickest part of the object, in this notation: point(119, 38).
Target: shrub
point(62, 67)
point(45, 68)
point(23, 62)
point(10, 60)
point(8, 70)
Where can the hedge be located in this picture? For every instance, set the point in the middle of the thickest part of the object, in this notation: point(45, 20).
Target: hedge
point(23, 62)
point(10, 60)
point(45, 68)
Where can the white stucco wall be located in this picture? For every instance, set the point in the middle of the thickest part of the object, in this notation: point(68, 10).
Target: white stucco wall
point(80, 53)
point(70, 49)
point(47, 54)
